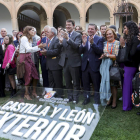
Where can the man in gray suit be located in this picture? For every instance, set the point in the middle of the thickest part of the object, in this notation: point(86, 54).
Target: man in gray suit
point(52, 53)
point(70, 57)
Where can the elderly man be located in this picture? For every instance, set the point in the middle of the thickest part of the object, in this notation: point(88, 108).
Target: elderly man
point(52, 53)
point(14, 32)
point(3, 34)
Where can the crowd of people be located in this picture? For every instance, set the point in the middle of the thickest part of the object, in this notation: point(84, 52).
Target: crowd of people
point(81, 57)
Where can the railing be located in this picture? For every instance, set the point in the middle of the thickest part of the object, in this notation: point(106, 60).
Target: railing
point(28, 20)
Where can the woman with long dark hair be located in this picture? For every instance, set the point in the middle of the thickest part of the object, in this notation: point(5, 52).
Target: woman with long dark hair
point(131, 62)
point(25, 51)
point(8, 63)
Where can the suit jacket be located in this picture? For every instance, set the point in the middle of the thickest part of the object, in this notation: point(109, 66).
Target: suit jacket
point(70, 50)
point(35, 54)
point(1, 55)
point(93, 54)
point(53, 54)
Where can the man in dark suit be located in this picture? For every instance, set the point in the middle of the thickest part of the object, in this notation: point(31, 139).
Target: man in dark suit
point(70, 57)
point(43, 60)
point(52, 53)
point(91, 48)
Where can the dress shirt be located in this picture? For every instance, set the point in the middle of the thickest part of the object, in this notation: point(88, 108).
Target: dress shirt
point(25, 44)
point(88, 43)
point(69, 34)
point(51, 40)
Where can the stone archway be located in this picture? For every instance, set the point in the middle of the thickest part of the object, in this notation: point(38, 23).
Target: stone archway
point(63, 12)
point(5, 18)
point(37, 19)
point(102, 18)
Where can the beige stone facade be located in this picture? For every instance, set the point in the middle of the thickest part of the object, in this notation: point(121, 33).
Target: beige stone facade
point(49, 6)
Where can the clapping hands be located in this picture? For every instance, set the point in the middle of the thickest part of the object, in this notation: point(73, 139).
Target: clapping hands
point(84, 39)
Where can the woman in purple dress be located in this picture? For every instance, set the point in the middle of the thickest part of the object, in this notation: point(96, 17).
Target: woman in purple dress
point(131, 62)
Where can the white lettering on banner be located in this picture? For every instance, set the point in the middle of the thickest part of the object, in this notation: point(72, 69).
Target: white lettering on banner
point(12, 106)
point(30, 106)
point(30, 111)
point(72, 135)
point(80, 115)
point(19, 118)
point(6, 118)
point(9, 103)
point(36, 127)
point(24, 124)
point(2, 112)
point(63, 114)
point(44, 111)
point(40, 128)
point(88, 117)
point(19, 107)
point(56, 129)
point(71, 115)
point(35, 112)
point(47, 130)
point(55, 112)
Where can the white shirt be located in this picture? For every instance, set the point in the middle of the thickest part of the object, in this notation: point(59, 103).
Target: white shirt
point(25, 44)
point(88, 43)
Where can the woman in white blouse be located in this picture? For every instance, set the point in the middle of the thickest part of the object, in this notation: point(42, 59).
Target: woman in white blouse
point(25, 51)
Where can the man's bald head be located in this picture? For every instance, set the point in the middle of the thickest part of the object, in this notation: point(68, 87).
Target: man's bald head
point(3, 32)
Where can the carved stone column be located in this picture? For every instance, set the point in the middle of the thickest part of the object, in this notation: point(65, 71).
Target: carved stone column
point(50, 14)
point(112, 20)
point(83, 15)
point(14, 16)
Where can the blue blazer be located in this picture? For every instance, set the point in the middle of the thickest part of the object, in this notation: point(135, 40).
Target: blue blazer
point(0, 40)
point(93, 54)
point(16, 43)
point(43, 40)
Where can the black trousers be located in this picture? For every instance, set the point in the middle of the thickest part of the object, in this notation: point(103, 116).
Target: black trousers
point(96, 79)
point(55, 78)
point(44, 71)
point(2, 84)
point(71, 74)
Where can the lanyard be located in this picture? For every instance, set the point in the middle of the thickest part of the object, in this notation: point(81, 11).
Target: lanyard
point(111, 47)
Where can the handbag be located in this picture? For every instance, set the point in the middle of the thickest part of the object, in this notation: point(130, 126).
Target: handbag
point(21, 67)
point(116, 72)
point(120, 58)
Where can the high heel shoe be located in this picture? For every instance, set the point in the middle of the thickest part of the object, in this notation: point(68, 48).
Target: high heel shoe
point(26, 96)
point(109, 104)
point(113, 107)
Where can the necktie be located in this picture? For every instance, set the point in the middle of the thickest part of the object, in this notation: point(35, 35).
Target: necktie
point(49, 44)
point(69, 35)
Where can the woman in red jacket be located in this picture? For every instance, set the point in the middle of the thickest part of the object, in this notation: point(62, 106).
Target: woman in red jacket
point(7, 63)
